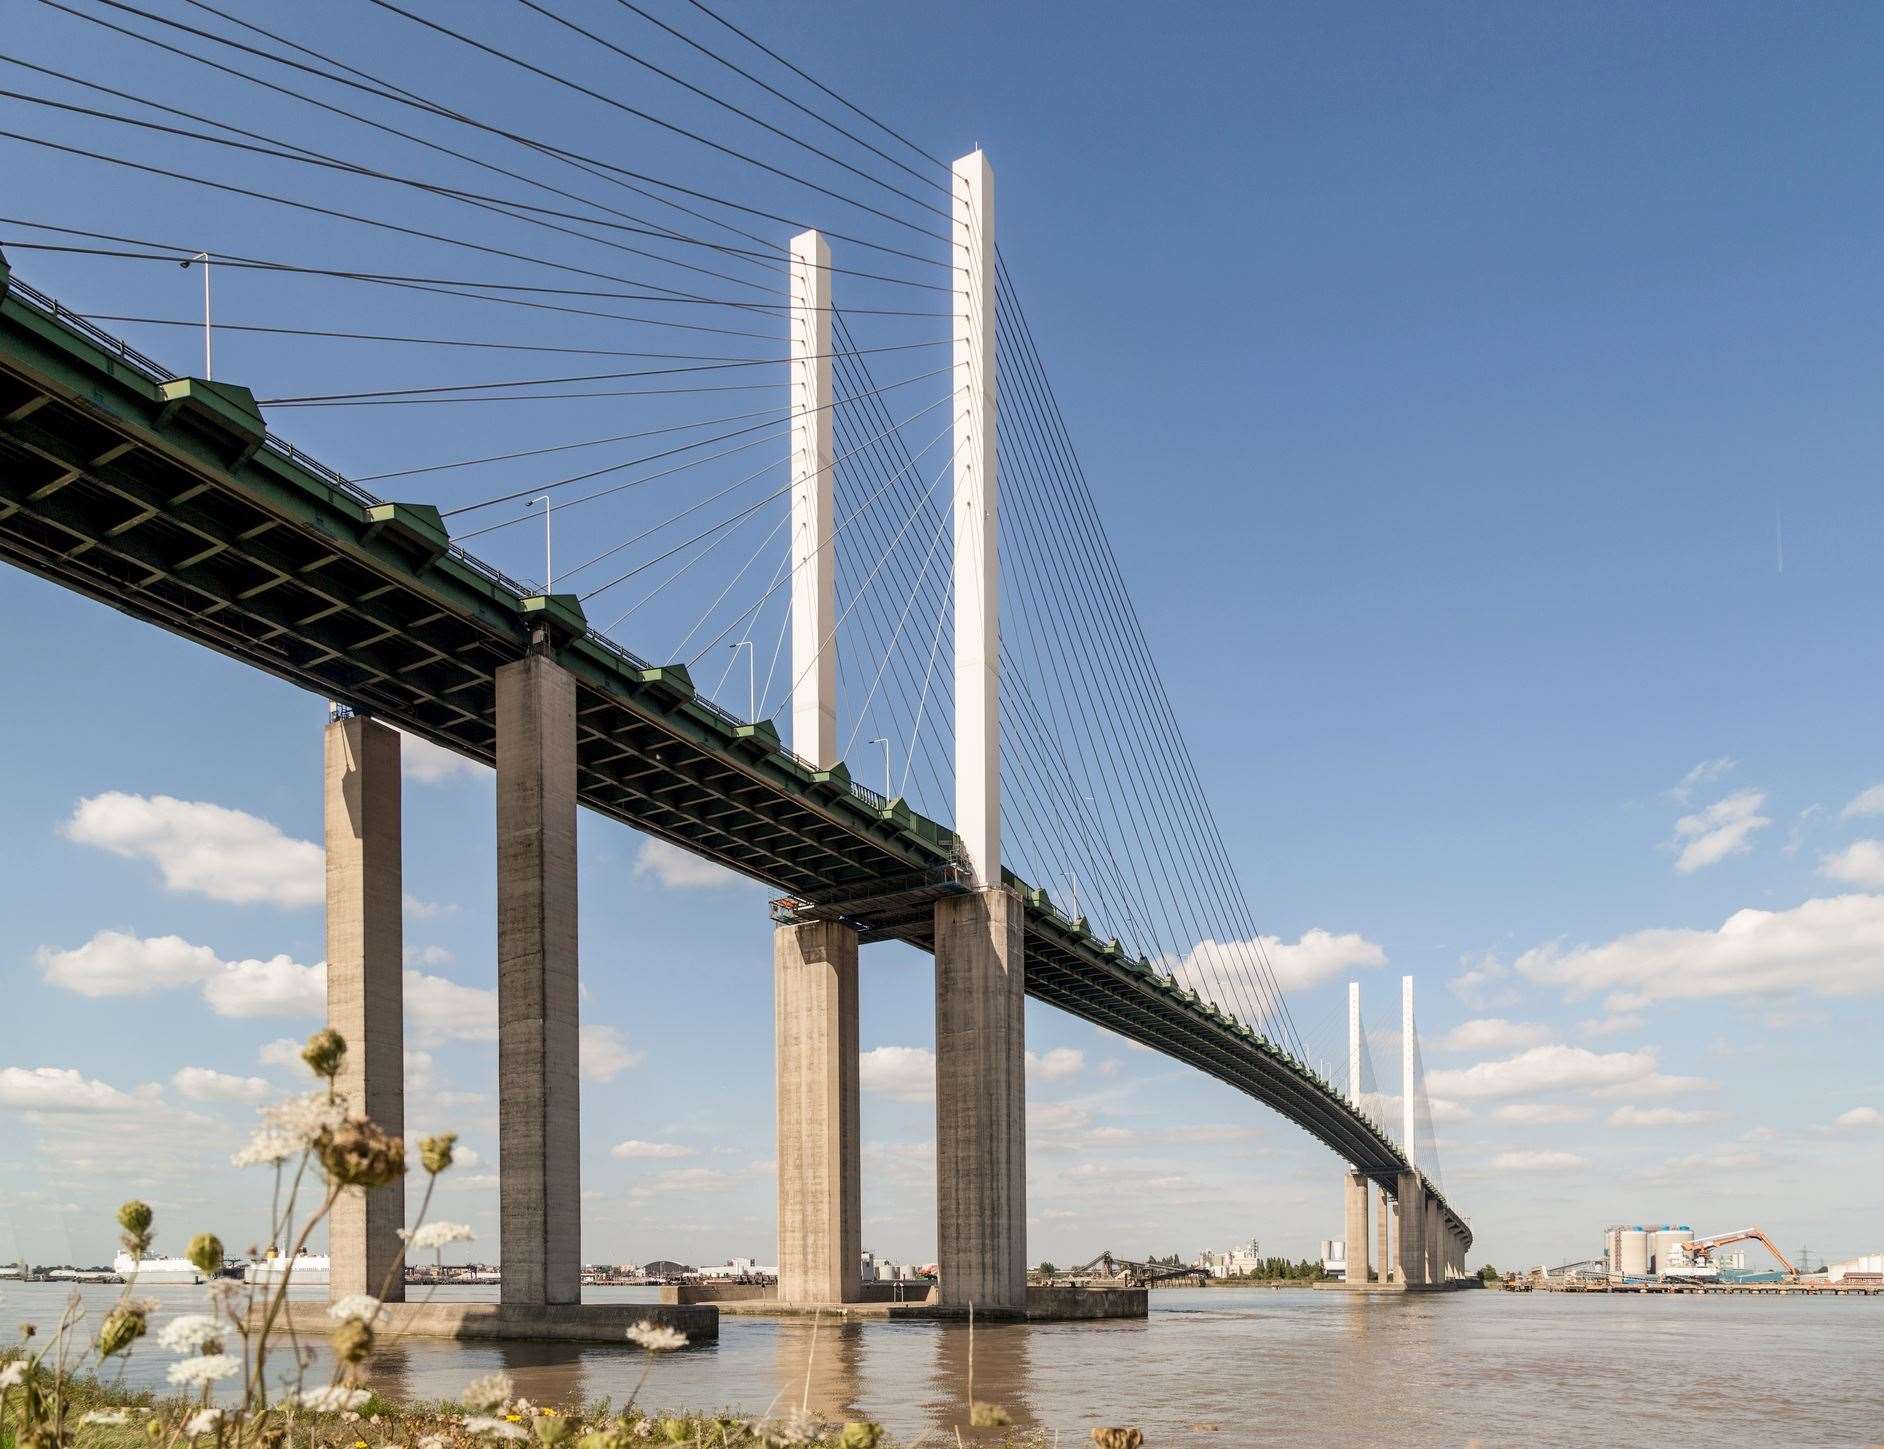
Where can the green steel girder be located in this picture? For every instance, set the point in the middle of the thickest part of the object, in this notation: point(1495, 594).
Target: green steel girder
point(165, 499)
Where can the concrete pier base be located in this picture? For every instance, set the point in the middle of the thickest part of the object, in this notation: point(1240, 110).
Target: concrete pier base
point(1435, 1241)
point(539, 1193)
point(1044, 1304)
point(1355, 1188)
point(820, 1177)
point(981, 1101)
point(365, 995)
point(521, 1322)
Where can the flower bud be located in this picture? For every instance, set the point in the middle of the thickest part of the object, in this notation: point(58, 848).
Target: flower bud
point(435, 1152)
point(135, 1218)
point(550, 1429)
point(324, 1052)
point(205, 1252)
point(123, 1326)
point(358, 1153)
point(352, 1341)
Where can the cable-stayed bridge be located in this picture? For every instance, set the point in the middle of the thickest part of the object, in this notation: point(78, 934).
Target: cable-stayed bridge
point(885, 555)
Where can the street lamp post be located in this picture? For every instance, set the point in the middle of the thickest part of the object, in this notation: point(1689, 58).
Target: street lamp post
point(752, 679)
point(203, 257)
point(888, 793)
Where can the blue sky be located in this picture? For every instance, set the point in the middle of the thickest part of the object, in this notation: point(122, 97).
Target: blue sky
point(1450, 378)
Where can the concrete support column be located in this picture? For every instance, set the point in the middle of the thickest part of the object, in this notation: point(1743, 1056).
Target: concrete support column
point(814, 526)
point(365, 997)
point(539, 1194)
point(1435, 1242)
point(1411, 1216)
point(1382, 1264)
point(1356, 1196)
point(980, 1100)
point(820, 1180)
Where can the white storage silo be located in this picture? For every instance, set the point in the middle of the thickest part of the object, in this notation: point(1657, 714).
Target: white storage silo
point(1632, 1252)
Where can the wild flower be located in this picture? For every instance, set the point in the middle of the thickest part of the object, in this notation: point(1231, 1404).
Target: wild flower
point(268, 1147)
point(656, 1339)
point(435, 1152)
point(324, 1052)
point(437, 1235)
point(360, 1153)
point(430, 1441)
point(135, 1218)
point(191, 1333)
point(205, 1254)
point(12, 1374)
point(204, 1369)
point(496, 1428)
point(106, 1416)
point(363, 1306)
point(352, 1341)
point(204, 1421)
point(332, 1398)
point(486, 1395)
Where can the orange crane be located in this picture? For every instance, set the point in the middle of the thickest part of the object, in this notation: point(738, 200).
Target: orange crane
point(1701, 1250)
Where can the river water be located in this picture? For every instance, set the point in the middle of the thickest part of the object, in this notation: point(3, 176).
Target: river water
point(1231, 1367)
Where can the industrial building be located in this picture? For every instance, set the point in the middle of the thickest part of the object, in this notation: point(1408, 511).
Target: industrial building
point(1640, 1250)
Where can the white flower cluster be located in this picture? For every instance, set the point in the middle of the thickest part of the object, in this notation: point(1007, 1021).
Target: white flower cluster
point(363, 1306)
point(289, 1126)
point(189, 1333)
point(655, 1339)
point(203, 1422)
point(106, 1416)
point(11, 1374)
point(488, 1394)
point(496, 1428)
point(436, 1235)
point(332, 1398)
point(207, 1368)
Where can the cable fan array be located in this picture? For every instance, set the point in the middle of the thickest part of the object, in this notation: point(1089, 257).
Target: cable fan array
point(584, 365)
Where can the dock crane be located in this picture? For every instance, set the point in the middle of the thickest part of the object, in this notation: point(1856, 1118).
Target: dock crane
point(1700, 1252)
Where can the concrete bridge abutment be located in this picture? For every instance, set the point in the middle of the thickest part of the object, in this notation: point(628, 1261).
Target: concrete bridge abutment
point(820, 1179)
point(365, 990)
point(1410, 1217)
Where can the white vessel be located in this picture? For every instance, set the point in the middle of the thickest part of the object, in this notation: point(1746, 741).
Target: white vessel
point(150, 1272)
point(303, 1270)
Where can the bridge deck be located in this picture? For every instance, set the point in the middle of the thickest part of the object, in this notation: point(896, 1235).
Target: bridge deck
point(168, 500)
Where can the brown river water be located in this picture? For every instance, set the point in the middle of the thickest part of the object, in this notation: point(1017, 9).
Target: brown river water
point(1232, 1367)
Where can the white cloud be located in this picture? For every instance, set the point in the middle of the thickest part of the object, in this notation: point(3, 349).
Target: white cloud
point(1861, 864)
point(1859, 1117)
point(442, 1010)
point(668, 865)
point(1541, 1114)
point(635, 1150)
point(278, 986)
point(1542, 1069)
point(1866, 802)
point(1318, 956)
point(903, 1074)
point(1725, 828)
point(1832, 946)
point(61, 1089)
point(422, 910)
point(1493, 1034)
point(201, 1084)
point(1535, 1160)
point(1057, 1065)
point(115, 963)
point(227, 855)
point(425, 763)
point(604, 1053)
point(427, 956)
point(1616, 1023)
point(1484, 986)
point(1630, 1116)
point(283, 1052)
point(1704, 773)
point(1657, 1084)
